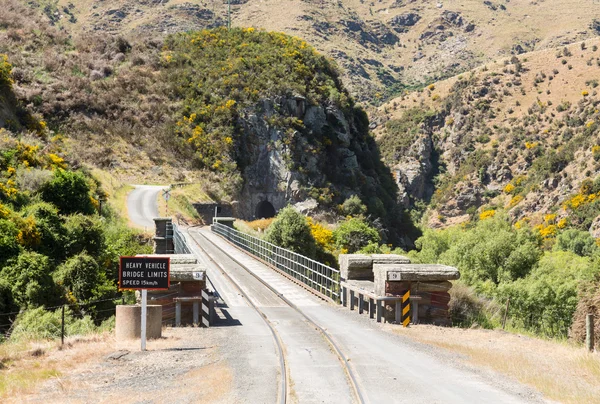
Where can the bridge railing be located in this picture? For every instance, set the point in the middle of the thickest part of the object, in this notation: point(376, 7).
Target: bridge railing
point(319, 277)
point(180, 244)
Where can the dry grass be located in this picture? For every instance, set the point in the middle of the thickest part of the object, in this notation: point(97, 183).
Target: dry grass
point(561, 372)
point(180, 203)
point(25, 364)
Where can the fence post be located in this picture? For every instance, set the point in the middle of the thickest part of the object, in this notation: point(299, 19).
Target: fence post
point(506, 313)
point(62, 327)
point(589, 332)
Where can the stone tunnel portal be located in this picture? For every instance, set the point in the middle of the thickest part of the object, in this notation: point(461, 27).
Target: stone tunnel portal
point(265, 210)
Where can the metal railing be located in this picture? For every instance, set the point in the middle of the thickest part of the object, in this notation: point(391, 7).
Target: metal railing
point(179, 242)
point(317, 276)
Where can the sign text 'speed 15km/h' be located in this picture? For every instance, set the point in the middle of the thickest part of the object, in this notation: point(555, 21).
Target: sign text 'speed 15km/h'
point(151, 273)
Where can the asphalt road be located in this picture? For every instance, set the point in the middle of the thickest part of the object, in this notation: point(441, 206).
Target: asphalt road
point(142, 205)
point(390, 368)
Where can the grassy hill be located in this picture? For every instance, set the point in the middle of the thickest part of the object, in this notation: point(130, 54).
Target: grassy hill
point(382, 47)
point(519, 134)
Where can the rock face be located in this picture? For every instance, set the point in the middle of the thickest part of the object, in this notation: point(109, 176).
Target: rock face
point(402, 22)
point(595, 228)
point(413, 172)
point(330, 154)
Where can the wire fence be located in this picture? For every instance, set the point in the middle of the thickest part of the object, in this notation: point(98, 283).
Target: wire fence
point(317, 276)
point(99, 310)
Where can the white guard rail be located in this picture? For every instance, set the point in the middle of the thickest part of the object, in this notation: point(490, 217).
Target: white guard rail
point(319, 277)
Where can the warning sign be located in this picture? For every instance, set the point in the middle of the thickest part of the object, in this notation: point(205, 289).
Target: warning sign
point(150, 273)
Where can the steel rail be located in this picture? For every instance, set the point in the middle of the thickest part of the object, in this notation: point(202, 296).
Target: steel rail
point(353, 381)
point(285, 382)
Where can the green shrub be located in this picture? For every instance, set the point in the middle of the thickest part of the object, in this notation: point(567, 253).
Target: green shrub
point(7, 305)
point(353, 206)
point(42, 324)
point(51, 228)
point(353, 234)
point(69, 191)
point(80, 276)
point(579, 242)
point(544, 301)
point(84, 233)
point(290, 230)
point(466, 309)
point(9, 246)
point(492, 250)
point(30, 278)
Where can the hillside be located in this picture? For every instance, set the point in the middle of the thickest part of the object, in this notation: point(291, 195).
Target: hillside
point(520, 134)
point(262, 115)
point(382, 47)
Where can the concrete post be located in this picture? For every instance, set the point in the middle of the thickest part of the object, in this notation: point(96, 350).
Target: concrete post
point(589, 332)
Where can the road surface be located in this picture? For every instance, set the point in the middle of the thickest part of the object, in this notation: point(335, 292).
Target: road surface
point(142, 205)
point(389, 368)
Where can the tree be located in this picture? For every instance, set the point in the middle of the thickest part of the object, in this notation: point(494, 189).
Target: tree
point(30, 278)
point(353, 206)
point(51, 228)
point(69, 191)
point(84, 233)
point(354, 234)
point(290, 230)
point(79, 275)
point(578, 241)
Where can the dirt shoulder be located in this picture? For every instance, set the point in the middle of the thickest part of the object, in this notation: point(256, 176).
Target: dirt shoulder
point(184, 366)
point(560, 371)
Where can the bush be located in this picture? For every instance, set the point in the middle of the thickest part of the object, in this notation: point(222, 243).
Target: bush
point(353, 234)
point(290, 230)
point(80, 276)
point(50, 226)
point(41, 324)
point(353, 206)
point(84, 233)
point(9, 246)
point(579, 242)
point(69, 191)
point(7, 305)
point(544, 301)
point(30, 278)
point(467, 309)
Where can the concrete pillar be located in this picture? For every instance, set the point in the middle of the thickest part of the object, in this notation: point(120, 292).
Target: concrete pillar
point(128, 322)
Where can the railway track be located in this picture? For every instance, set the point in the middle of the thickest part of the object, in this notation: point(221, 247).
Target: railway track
point(285, 381)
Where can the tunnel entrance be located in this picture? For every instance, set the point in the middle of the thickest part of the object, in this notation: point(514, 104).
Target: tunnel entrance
point(265, 210)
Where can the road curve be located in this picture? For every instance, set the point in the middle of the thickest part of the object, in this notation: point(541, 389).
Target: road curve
point(142, 205)
point(390, 368)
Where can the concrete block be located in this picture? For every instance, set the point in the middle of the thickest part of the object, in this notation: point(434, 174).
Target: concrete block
point(389, 259)
point(356, 266)
point(416, 272)
point(128, 322)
